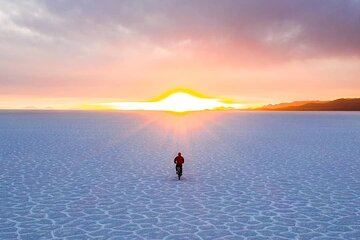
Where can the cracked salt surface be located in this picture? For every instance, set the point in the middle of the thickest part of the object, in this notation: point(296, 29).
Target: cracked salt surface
point(83, 175)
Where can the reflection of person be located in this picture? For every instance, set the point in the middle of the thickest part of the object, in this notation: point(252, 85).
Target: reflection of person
point(179, 160)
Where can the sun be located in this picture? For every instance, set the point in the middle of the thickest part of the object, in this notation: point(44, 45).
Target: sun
point(179, 101)
point(185, 102)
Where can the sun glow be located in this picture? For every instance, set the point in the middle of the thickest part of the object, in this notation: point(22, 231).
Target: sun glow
point(176, 101)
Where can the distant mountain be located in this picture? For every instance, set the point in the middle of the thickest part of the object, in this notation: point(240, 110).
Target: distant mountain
point(290, 104)
point(342, 104)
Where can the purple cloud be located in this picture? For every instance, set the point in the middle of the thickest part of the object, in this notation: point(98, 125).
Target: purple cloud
point(284, 29)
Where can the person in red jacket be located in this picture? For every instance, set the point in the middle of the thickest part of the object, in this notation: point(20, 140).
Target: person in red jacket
point(179, 160)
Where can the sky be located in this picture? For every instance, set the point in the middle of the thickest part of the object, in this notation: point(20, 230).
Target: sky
point(60, 54)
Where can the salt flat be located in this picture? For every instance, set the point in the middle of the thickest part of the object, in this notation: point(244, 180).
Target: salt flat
point(247, 175)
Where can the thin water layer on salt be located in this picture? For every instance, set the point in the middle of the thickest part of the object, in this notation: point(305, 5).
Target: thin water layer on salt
point(83, 175)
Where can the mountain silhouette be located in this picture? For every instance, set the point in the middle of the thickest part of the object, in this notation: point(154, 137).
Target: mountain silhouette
point(342, 104)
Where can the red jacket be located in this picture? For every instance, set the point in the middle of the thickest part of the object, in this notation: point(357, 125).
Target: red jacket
point(179, 160)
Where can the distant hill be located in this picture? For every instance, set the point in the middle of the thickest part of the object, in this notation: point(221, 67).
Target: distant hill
point(343, 104)
point(290, 104)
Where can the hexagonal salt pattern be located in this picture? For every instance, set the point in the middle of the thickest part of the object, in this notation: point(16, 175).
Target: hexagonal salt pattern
point(83, 175)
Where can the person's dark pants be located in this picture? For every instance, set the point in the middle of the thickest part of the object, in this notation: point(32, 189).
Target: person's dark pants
point(176, 168)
